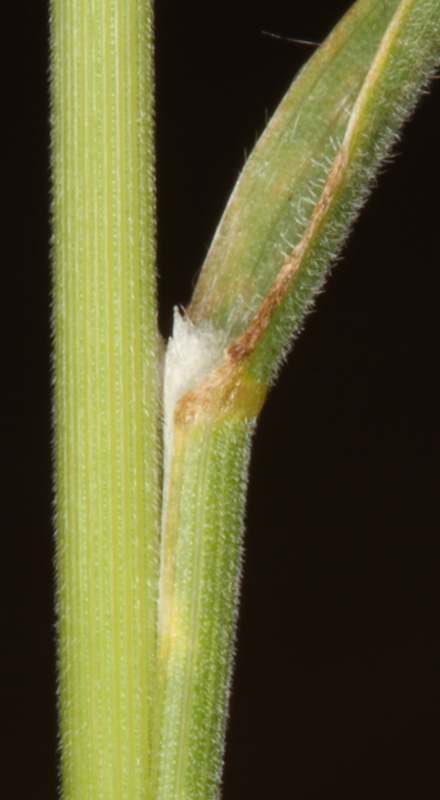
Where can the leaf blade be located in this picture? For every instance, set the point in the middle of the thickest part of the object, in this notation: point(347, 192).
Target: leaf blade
point(247, 257)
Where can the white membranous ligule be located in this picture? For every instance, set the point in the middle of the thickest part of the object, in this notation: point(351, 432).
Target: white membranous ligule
point(192, 354)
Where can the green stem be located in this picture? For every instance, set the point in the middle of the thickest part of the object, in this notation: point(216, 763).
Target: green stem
point(105, 393)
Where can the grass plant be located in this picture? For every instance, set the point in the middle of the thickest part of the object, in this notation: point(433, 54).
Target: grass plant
point(152, 444)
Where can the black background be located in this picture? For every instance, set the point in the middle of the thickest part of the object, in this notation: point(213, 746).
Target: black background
point(336, 691)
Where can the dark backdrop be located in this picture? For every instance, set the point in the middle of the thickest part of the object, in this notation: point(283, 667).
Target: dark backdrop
point(336, 690)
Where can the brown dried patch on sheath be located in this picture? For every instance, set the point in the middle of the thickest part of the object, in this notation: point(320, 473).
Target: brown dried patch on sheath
point(245, 345)
point(228, 392)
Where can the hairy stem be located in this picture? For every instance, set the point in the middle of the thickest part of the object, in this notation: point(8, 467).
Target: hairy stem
point(107, 491)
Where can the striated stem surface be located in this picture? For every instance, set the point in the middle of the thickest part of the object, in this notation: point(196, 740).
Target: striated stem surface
point(107, 488)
